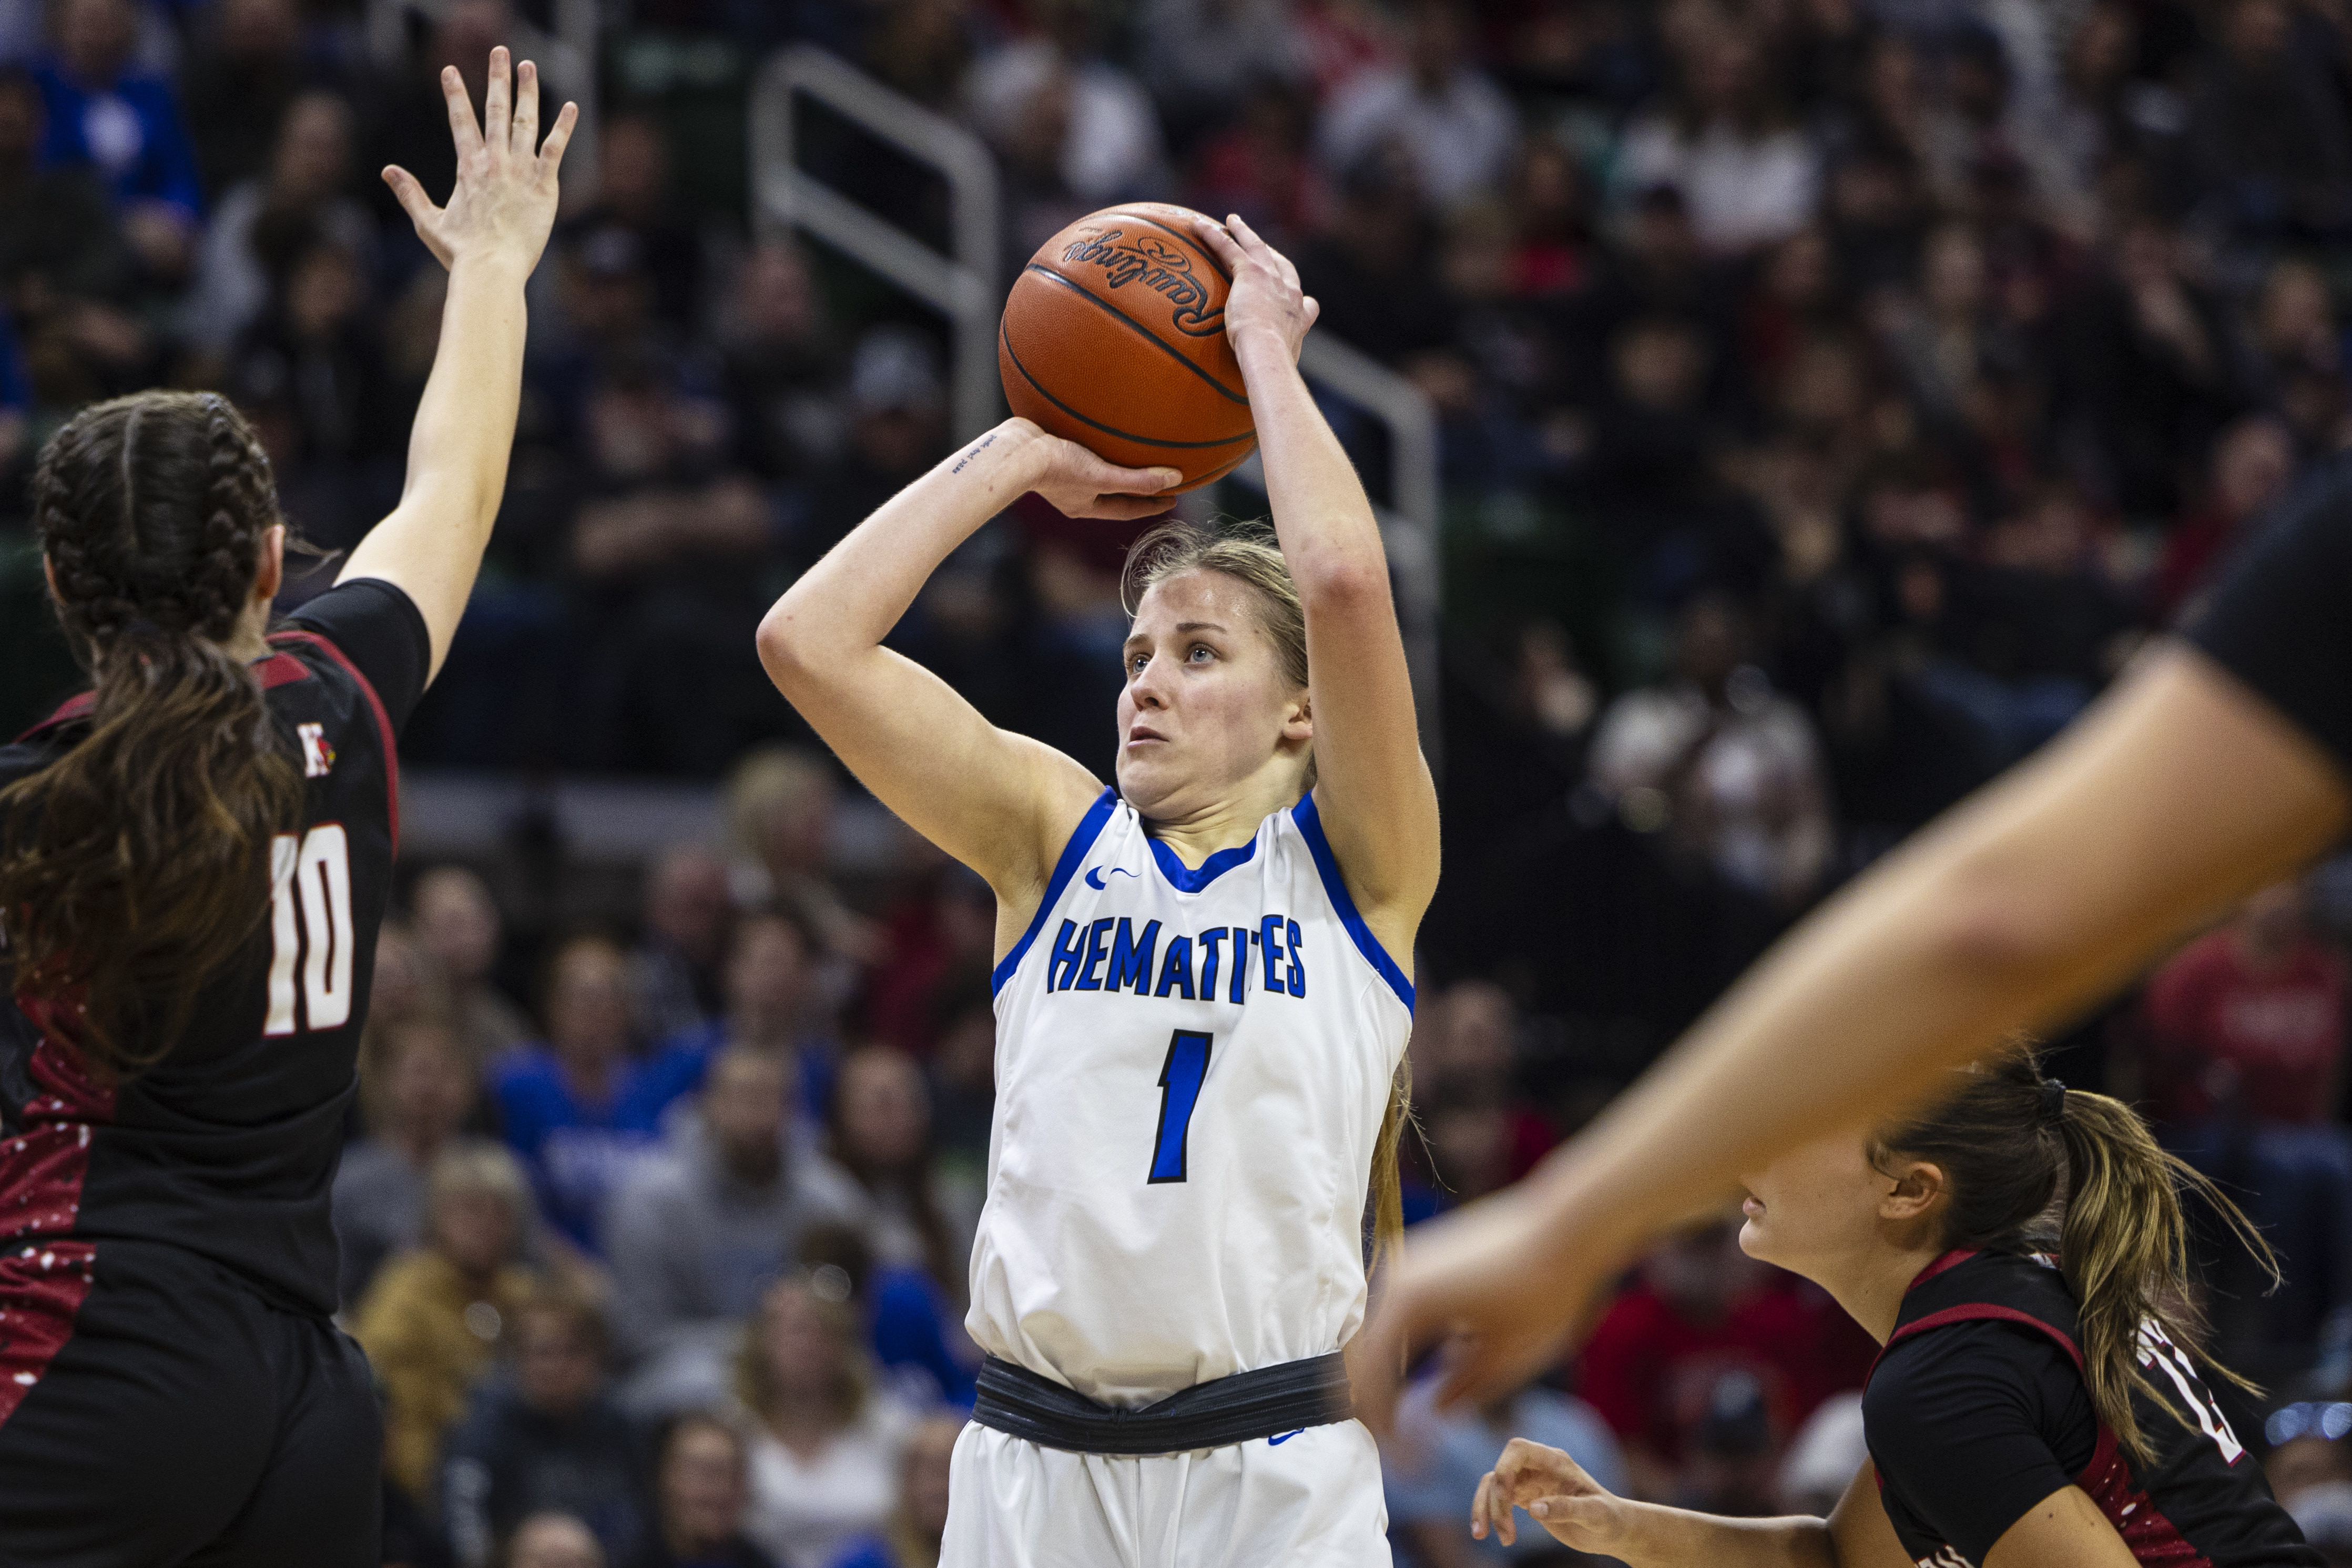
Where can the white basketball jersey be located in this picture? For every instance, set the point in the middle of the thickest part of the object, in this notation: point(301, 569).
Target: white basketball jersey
point(1191, 1066)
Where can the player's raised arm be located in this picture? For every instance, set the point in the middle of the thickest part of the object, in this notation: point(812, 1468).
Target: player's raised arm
point(489, 236)
point(1378, 802)
point(1002, 804)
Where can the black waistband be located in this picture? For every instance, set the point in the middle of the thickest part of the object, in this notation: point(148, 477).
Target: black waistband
point(1236, 1409)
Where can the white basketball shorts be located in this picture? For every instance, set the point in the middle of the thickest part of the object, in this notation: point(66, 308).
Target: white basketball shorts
point(1305, 1500)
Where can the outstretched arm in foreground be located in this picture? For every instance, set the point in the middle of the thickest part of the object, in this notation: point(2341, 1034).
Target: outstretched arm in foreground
point(489, 236)
point(2178, 793)
point(1001, 802)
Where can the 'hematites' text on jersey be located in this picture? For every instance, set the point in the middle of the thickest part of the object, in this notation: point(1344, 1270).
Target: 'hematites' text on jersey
point(1191, 1064)
point(227, 1146)
point(2200, 1502)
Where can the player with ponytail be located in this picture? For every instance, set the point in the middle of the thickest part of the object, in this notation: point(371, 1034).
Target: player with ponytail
point(195, 859)
point(2021, 1252)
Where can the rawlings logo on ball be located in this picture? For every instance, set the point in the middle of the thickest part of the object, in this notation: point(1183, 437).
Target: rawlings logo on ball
point(1159, 267)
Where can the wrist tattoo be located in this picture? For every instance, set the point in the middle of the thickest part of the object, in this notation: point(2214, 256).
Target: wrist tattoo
point(984, 442)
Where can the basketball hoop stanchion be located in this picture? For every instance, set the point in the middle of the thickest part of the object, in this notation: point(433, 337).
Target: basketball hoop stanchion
point(785, 197)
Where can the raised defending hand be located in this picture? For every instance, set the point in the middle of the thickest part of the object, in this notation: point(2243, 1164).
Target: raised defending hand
point(1264, 296)
point(1557, 1494)
point(504, 202)
point(1079, 484)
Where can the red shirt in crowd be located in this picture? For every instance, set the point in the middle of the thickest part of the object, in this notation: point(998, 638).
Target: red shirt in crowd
point(1648, 1367)
point(2274, 1032)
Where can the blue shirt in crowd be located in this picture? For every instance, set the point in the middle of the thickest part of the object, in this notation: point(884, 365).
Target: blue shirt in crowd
point(577, 1152)
point(1455, 1450)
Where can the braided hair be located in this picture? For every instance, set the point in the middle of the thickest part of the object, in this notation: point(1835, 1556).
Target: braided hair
point(138, 862)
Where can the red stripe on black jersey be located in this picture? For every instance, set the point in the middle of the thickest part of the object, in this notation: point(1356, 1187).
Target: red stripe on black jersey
point(375, 705)
point(44, 1270)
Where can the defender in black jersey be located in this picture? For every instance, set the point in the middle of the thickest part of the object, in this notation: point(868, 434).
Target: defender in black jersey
point(198, 860)
point(2023, 1410)
point(1976, 1410)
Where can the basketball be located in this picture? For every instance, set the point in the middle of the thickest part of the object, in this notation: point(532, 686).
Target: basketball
point(1114, 337)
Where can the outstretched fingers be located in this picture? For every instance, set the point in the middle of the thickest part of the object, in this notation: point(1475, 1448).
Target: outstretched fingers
point(463, 128)
point(1212, 234)
point(409, 194)
point(1260, 251)
point(550, 151)
point(526, 109)
point(497, 119)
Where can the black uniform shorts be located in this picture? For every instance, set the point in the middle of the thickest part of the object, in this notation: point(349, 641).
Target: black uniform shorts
point(188, 1421)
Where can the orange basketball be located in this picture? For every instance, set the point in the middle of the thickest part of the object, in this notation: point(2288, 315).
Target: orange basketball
point(1114, 337)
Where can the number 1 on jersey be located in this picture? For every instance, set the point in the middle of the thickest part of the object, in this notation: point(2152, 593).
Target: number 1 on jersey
point(1180, 1092)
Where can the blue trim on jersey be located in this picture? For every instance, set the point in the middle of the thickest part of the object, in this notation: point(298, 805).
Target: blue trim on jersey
point(1335, 886)
point(1089, 828)
point(1187, 880)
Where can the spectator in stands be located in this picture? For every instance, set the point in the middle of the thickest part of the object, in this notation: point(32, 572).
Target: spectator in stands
point(553, 1540)
point(880, 1132)
point(1823, 1457)
point(1468, 1035)
point(1447, 114)
point(1263, 167)
point(1464, 1151)
point(417, 1087)
point(676, 971)
point(409, 985)
point(238, 84)
point(2245, 1028)
point(1206, 61)
point(897, 428)
point(635, 192)
point(57, 234)
point(1751, 175)
point(458, 923)
point(1433, 1467)
point(780, 805)
point(2254, 464)
point(1370, 269)
point(2269, 125)
point(918, 1524)
point(697, 1233)
point(302, 194)
point(939, 934)
point(773, 1005)
point(779, 367)
point(104, 111)
point(435, 1317)
point(1701, 1307)
point(702, 1491)
point(545, 1436)
point(1732, 763)
point(825, 1458)
point(579, 1108)
point(963, 1083)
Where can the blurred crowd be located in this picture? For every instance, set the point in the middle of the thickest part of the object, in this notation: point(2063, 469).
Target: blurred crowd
point(1834, 396)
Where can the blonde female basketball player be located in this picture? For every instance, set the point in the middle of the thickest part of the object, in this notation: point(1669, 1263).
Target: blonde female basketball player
point(1202, 991)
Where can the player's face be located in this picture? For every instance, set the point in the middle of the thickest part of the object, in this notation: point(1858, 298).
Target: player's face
point(1205, 705)
point(1815, 1210)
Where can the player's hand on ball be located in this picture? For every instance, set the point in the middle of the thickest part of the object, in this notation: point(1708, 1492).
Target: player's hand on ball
point(1076, 483)
point(1264, 297)
point(1557, 1494)
point(504, 201)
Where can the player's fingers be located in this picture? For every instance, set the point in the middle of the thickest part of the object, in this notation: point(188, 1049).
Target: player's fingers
point(1110, 479)
point(550, 151)
point(1313, 307)
point(1219, 240)
point(498, 119)
point(411, 195)
point(526, 108)
point(463, 128)
point(1489, 1511)
point(1267, 253)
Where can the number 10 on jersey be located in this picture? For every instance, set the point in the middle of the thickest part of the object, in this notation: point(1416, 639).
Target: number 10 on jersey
point(310, 929)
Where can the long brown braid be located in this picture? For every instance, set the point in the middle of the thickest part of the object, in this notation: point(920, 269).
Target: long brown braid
point(138, 862)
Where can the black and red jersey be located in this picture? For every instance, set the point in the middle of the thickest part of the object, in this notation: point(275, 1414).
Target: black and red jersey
point(226, 1147)
point(1976, 1410)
